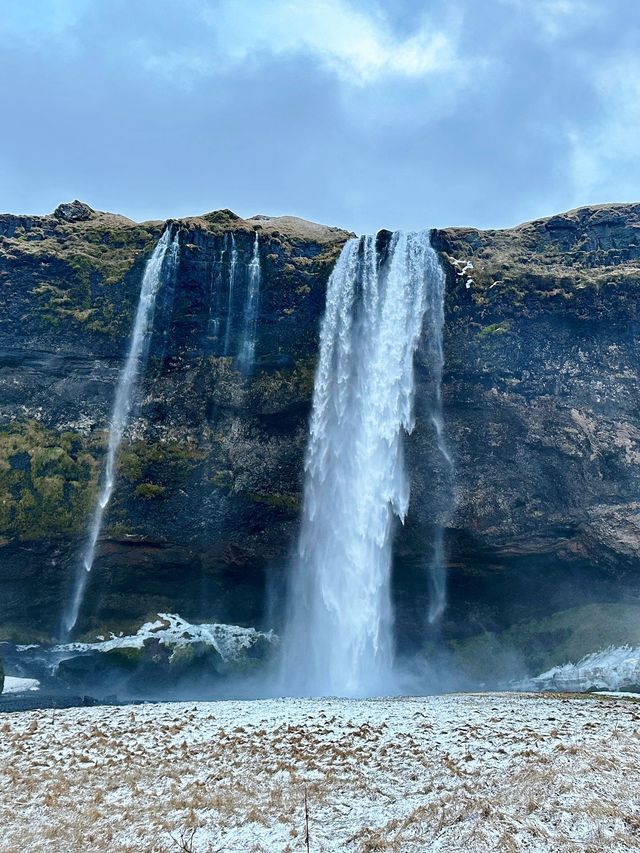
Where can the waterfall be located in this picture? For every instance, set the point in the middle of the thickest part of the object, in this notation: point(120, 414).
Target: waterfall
point(339, 633)
point(246, 354)
point(162, 261)
point(230, 297)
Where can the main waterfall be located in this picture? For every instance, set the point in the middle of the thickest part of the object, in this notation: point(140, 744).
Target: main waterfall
point(339, 633)
point(162, 262)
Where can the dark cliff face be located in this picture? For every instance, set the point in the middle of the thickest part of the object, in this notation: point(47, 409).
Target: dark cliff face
point(540, 398)
point(543, 421)
point(210, 472)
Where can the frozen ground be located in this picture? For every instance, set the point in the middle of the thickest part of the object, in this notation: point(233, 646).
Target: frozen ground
point(472, 772)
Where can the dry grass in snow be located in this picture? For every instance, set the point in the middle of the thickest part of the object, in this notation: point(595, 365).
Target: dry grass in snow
point(493, 772)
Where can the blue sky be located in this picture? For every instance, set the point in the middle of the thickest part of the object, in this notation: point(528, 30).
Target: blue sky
point(364, 114)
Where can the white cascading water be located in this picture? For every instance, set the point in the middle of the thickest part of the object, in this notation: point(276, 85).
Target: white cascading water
point(162, 262)
point(339, 634)
point(247, 351)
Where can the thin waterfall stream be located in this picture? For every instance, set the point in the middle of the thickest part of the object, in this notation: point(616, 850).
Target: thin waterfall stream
point(434, 325)
point(339, 633)
point(162, 263)
point(247, 351)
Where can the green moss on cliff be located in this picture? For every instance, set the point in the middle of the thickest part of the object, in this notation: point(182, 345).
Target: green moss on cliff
point(19, 634)
point(266, 392)
point(160, 465)
point(580, 263)
point(273, 499)
point(48, 481)
point(494, 329)
point(149, 491)
point(79, 270)
point(282, 388)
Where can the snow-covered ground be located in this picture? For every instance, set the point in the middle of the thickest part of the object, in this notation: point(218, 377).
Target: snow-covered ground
point(19, 685)
point(473, 772)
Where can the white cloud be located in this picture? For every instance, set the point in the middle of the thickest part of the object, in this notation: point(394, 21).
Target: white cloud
point(605, 158)
point(359, 47)
point(556, 19)
point(40, 19)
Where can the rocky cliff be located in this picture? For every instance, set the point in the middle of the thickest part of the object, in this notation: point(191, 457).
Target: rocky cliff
point(209, 476)
point(541, 409)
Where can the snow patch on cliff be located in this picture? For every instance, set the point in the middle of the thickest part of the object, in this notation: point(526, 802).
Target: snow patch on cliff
point(174, 631)
point(613, 669)
point(12, 684)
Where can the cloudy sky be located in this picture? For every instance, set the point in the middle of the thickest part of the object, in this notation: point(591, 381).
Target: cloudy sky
point(360, 113)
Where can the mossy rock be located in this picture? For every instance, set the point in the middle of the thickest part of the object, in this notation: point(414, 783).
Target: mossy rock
point(48, 481)
point(153, 669)
point(158, 669)
point(149, 491)
point(84, 270)
point(97, 669)
point(157, 464)
point(494, 329)
point(291, 503)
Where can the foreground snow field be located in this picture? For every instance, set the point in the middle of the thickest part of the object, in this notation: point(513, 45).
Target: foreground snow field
point(473, 772)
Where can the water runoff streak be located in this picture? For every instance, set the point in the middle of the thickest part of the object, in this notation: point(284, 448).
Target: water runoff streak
point(161, 263)
point(246, 354)
point(339, 633)
point(434, 324)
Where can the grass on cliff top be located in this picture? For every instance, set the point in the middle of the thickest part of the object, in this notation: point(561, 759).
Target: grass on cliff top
point(292, 228)
point(78, 269)
point(584, 263)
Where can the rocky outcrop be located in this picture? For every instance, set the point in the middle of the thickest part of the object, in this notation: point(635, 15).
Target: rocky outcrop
point(540, 398)
point(166, 657)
